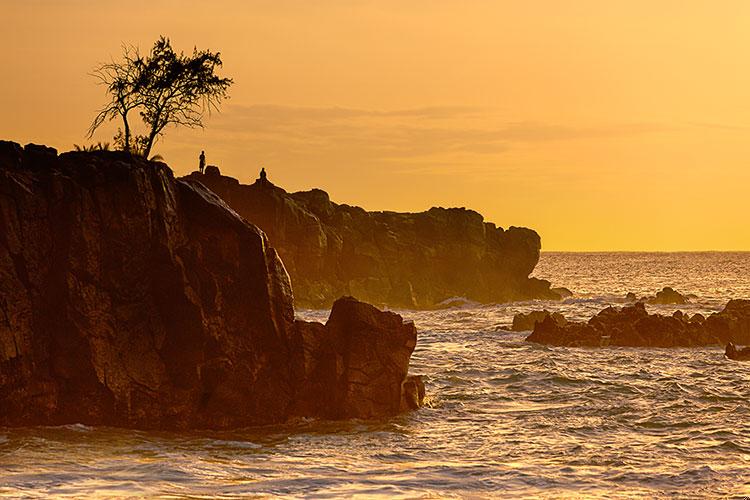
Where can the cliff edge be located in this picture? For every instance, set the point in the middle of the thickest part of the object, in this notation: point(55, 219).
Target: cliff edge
point(410, 260)
point(129, 298)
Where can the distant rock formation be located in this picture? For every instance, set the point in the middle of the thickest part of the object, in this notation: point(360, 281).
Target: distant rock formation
point(128, 298)
point(411, 260)
point(633, 326)
point(526, 322)
point(667, 296)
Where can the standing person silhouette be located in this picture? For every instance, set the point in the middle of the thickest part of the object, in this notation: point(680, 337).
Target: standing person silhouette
point(202, 161)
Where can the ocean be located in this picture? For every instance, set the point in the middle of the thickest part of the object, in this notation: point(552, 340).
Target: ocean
point(505, 418)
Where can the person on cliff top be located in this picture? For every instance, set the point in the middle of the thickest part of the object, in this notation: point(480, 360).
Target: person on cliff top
point(263, 174)
point(202, 161)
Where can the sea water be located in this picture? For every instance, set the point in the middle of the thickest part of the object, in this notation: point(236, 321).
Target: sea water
point(505, 418)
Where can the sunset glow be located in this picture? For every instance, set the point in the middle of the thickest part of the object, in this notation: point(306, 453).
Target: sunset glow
point(601, 125)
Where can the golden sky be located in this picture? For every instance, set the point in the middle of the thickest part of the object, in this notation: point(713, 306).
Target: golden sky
point(604, 125)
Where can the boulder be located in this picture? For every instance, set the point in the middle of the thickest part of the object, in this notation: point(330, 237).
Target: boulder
point(526, 322)
point(731, 352)
point(413, 393)
point(667, 296)
point(356, 364)
point(129, 298)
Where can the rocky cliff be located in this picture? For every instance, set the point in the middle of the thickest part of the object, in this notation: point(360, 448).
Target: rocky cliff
point(129, 298)
point(412, 260)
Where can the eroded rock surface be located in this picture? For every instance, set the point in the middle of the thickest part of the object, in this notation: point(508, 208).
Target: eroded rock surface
point(411, 260)
point(128, 298)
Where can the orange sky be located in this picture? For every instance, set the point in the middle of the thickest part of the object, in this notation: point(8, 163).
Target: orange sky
point(604, 125)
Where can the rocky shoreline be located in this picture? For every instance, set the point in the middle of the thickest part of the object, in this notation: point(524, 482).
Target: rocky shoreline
point(133, 299)
point(633, 326)
point(402, 260)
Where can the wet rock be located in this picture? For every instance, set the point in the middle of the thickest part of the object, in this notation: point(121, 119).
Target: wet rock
point(526, 322)
point(413, 393)
point(732, 324)
point(356, 364)
point(408, 260)
point(129, 298)
point(732, 352)
point(666, 297)
point(633, 326)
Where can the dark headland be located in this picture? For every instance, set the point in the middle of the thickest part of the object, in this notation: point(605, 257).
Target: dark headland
point(129, 298)
point(410, 260)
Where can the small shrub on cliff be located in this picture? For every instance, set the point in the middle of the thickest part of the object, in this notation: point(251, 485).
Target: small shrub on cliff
point(99, 146)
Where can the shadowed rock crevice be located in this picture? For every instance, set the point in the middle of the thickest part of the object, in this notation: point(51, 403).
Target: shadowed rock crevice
point(133, 299)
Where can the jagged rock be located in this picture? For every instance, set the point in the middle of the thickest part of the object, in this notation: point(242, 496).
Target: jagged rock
point(357, 363)
point(413, 393)
point(212, 171)
point(698, 318)
point(128, 298)
point(632, 326)
point(411, 260)
point(732, 352)
point(526, 322)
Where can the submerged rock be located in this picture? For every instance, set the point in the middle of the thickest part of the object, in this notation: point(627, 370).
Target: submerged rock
point(667, 296)
point(526, 322)
point(633, 326)
point(410, 260)
point(129, 298)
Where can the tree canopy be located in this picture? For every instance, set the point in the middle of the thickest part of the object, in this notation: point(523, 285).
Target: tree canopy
point(166, 88)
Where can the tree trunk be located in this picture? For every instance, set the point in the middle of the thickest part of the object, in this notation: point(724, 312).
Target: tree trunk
point(127, 131)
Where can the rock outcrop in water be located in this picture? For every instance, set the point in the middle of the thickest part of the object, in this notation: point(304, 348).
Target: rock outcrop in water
point(633, 326)
point(129, 298)
point(666, 296)
point(527, 321)
point(412, 260)
point(731, 352)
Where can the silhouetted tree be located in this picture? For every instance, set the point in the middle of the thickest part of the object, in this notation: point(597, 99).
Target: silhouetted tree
point(124, 81)
point(166, 87)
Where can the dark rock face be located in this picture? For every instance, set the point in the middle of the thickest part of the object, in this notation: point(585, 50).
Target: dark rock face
point(526, 322)
point(632, 326)
point(128, 298)
point(731, 352)
point(357, 362)
point(399, 259)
